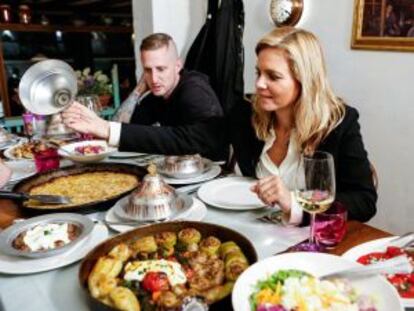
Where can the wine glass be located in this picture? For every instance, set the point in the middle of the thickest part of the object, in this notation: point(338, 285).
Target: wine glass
point(315, 189)
point(92, 103)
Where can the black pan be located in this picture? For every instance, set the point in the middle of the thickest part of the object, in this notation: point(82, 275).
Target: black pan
point(41, 178)
point(206, 229)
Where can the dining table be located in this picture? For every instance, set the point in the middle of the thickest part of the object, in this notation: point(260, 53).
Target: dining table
point(59, 289)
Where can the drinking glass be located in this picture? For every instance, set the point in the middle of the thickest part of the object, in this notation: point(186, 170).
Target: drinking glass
point(92, 103)
point(46, 159)
point(315, 189)
point(330, 226)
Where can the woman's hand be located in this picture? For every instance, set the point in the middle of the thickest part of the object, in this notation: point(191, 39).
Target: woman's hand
point(85, 121)
point(271, 190)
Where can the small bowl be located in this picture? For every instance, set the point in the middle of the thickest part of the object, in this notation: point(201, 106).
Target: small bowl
point(186, 166)
point(70, 152)
point(8, 236)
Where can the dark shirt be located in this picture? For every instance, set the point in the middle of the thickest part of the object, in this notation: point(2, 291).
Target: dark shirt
point(354, 183)
point(191, 121)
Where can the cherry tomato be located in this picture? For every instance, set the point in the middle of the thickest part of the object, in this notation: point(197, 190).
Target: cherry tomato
point(393, 251)
point(155, 281)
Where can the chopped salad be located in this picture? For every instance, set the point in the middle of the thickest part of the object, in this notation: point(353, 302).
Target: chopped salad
point(89, 149)
point(295, 290)
point(404, 283)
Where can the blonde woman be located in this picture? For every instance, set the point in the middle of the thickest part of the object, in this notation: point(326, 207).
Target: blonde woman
point(295, 111)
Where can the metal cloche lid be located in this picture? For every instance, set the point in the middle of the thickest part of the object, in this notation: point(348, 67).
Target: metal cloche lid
point(48, 87)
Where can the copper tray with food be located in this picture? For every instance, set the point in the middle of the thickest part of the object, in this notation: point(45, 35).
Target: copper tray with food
point(158, 267)
point(89, 187)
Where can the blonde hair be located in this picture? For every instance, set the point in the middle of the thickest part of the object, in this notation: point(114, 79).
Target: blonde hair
point(317, 111)
point(158, 40)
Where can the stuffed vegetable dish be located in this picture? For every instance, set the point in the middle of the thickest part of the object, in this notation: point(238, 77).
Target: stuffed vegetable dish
point(159, 270)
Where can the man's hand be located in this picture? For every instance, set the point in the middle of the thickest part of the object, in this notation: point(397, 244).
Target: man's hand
point(142, 86)
point(271, 190)
point(83, 120)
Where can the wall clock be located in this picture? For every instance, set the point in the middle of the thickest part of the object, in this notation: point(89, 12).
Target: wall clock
point(286, 12)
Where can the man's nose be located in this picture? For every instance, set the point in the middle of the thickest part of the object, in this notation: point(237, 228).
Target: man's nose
point(154, 77)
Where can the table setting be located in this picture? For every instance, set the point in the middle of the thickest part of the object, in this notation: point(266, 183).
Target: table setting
point(221, 200)
point(91, 227)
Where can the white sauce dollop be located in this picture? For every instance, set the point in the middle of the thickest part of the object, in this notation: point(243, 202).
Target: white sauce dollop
point(136, 271)
point(43, 237)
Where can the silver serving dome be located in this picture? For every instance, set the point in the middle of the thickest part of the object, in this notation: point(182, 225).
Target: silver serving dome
point(185, 166)
point(48, 87)
point(153, 199)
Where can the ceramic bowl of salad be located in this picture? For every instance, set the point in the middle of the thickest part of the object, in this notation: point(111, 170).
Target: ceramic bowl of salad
point(87, 151)
point(46, 235)
point(291, 282)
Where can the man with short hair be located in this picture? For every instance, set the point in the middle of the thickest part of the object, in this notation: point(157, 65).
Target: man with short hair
point(182, 102)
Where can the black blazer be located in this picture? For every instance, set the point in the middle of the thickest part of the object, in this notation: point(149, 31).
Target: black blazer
point(354, 183)
point(191, 121)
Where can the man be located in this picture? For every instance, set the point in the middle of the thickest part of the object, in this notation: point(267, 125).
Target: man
point(181, 101)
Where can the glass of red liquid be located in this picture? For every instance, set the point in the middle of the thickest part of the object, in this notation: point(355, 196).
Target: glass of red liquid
point(330, 226)
point(46, 160)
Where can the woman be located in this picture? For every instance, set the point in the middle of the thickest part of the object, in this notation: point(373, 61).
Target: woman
point(294, 112)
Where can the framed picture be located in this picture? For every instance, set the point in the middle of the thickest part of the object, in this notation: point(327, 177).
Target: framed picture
point(383, 25)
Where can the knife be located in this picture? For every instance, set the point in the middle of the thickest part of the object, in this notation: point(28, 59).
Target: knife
point(42, 198)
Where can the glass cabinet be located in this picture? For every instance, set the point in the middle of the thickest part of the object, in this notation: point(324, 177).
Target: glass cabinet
point(97, 47)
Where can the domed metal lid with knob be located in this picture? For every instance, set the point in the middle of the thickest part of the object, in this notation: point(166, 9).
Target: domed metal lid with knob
point(48, 87)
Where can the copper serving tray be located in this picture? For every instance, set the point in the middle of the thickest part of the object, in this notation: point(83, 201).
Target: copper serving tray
point(39, 179)
point(206, 229)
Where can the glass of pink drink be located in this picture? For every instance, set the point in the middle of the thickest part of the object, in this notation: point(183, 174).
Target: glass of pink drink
point(330, 226)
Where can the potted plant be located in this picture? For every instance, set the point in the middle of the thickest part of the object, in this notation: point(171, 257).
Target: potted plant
point(96, 83)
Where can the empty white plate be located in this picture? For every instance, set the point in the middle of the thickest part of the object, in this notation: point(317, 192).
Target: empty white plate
point(231, 193)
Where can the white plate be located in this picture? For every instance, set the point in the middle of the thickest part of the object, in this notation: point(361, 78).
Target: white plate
point(20, 265)
point(213, 172)
point(231, 193)
point(9, 154)
point(184, 203)
point(385, 296)
point(13, 141)
point(196, 213)
point(68, 151)
point(376, 245)
point(21, 169)
point(126, 154)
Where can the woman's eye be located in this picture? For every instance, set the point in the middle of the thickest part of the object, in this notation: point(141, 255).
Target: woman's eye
point(274, 77)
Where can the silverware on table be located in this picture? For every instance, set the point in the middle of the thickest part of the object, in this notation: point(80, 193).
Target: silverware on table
point(404, 241)
point(42, 198)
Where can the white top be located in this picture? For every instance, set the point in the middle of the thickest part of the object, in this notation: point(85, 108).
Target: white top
point(287, 171)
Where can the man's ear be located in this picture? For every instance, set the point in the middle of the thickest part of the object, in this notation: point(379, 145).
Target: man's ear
point(179, 65)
